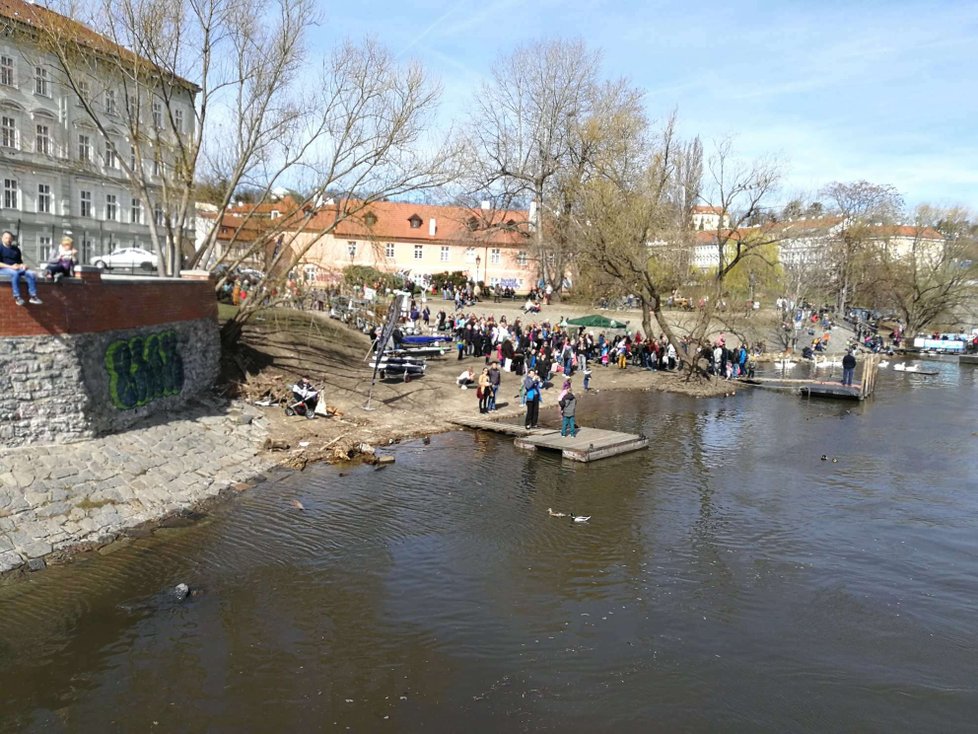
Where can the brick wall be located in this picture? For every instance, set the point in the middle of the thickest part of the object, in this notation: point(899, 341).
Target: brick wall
point(101, 354)
point(91, 304)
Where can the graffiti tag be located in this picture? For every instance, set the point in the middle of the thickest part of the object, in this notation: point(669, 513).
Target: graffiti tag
point(143, 369)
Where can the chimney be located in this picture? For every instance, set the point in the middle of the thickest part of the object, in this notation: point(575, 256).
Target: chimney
point(485, 205)
point(432, 227)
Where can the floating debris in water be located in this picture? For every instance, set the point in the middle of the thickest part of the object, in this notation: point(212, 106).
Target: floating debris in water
point(297, 505)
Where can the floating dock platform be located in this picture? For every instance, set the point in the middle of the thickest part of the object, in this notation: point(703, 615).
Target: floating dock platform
point(590, 444)
point(968, 359)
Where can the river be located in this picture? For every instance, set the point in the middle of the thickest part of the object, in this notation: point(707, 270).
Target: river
point(730, 579)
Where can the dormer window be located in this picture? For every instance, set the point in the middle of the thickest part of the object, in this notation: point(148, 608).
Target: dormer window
point(371, 219)
point(415, 221)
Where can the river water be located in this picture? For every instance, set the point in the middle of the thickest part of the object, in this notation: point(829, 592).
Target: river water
point(729, 580)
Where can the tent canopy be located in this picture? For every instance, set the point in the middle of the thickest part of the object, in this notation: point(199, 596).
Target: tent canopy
point(597, 321)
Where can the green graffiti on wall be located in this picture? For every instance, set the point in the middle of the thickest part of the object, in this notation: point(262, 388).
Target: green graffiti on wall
point(143, 369)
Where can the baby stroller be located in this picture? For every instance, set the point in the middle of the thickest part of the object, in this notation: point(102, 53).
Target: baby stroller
point(304, 400)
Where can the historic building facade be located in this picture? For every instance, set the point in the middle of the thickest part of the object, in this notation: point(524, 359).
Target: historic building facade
point(58, 173)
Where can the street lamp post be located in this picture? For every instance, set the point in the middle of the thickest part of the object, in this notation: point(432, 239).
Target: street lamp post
point(478, 262)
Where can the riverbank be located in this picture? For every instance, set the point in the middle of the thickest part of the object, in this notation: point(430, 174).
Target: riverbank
point(59, 500)
point(289, 344)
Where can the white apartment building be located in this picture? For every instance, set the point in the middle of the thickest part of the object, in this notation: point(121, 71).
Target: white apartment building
point(58, 173)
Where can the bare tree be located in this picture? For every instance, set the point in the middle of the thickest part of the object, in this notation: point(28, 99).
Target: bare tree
point(862, 208)
point(528, 140)
point(628, 219)
point(163, 82)
point(937, 274)
point(738, 191)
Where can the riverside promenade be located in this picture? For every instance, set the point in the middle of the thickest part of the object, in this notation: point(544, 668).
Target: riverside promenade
point(59, 499)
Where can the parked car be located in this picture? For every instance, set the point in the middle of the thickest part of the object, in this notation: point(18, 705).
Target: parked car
point(127, 257)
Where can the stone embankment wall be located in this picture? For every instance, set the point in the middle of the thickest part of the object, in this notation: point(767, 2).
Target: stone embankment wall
point(126, 363)
point(101, 354)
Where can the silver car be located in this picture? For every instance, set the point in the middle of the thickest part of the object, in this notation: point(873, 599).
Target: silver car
point(127, 257)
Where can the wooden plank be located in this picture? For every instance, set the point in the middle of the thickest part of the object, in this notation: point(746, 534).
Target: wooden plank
point(968, 359)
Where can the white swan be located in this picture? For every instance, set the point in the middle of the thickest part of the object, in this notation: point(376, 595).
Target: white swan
point(785, 364)
point(885, 363)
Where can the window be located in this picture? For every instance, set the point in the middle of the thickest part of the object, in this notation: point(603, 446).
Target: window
point(83, 90)
point(42, 81)
point(157, 162)
point(85, 198)
point(521, 258)
point(158, 215)
point(42, 140)
point(111, 157)
point(415, 221)
point(7, 71)
point(111, 107)
point(351, 248)
point(443, 255)
point(111, 207)
point(370, 219)
point(44, 245)
point(178, 120)
point(418, 252)
point(157, 114)
point(470, 254)
point(494, 256)
point(132, 157)
point(85, 148)
point(11, 194)
point(136, 211)
point(43, 198)
point(389, 249)
point(8, 132)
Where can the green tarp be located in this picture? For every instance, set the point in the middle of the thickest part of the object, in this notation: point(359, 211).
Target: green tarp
point(597, 321)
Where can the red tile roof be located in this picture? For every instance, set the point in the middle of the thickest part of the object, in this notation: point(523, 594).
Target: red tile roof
point(38, 16)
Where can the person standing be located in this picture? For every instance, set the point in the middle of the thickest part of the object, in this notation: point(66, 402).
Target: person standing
point(484, 390)
point(494, 381)
point(532, 385)
point(12, 264)
point(848, 368)
point(568, 409)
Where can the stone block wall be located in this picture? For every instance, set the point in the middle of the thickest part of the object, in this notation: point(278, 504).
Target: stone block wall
point(101, 354)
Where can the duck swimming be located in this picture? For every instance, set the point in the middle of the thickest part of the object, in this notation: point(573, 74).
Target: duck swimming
point(550, 511)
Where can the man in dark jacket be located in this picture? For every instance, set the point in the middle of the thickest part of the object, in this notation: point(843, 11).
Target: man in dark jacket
point(12, 264)
point(848, 368)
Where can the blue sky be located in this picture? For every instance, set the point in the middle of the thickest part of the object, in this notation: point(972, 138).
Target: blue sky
point(883, 91)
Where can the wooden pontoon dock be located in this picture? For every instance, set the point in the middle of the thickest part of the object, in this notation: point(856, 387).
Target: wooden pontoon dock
point(590, 444)
point(825, 388)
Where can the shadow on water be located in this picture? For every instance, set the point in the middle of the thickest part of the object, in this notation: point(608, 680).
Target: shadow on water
point(729, 578)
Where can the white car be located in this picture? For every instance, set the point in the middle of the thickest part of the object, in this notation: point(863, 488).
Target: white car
point(127, 257)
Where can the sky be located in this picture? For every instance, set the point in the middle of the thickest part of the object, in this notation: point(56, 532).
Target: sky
point(836, 91)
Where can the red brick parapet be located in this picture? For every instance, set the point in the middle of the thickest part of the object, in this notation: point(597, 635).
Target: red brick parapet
point(90, 303)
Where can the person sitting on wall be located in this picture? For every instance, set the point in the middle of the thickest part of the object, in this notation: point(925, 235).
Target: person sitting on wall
point(62, 264)
point(12, 264)
point(305, 394)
